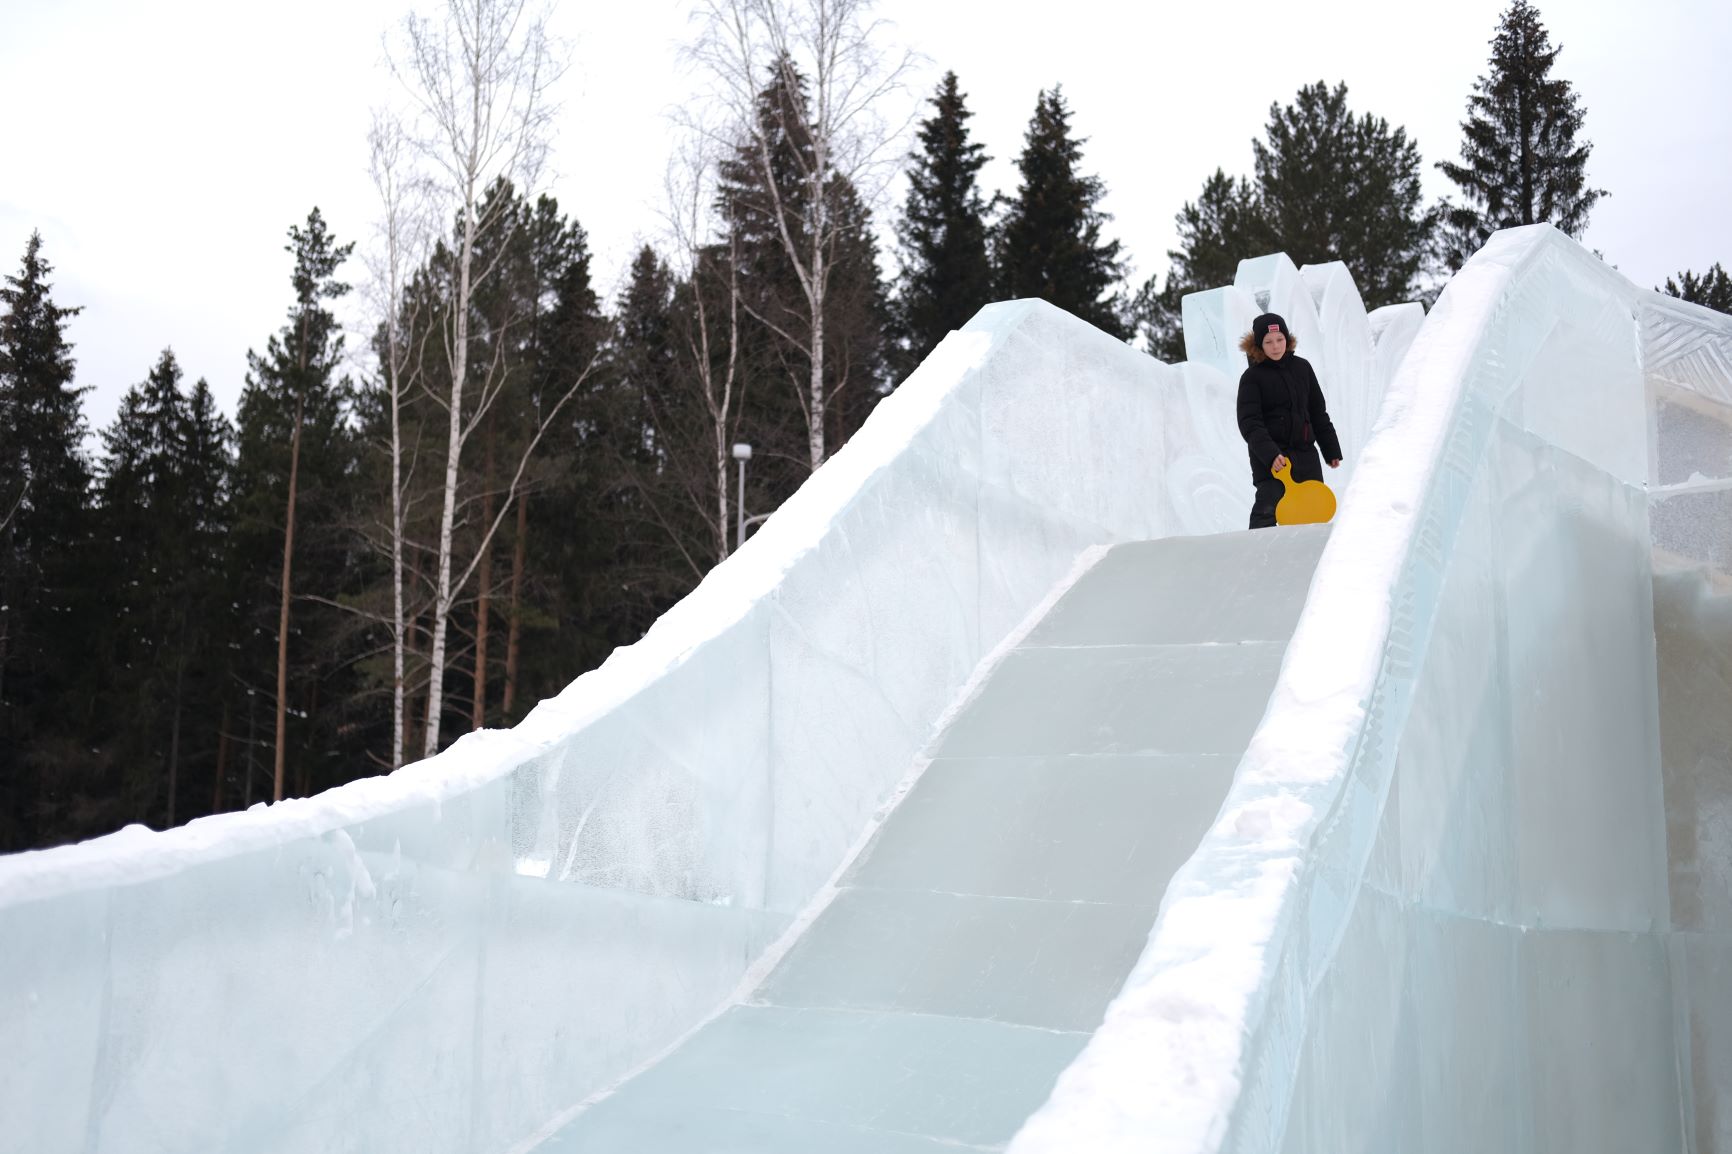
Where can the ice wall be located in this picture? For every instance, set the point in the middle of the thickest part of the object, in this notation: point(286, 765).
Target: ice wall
point(1687, 356)
point(1433, 914)
point(1694, 626)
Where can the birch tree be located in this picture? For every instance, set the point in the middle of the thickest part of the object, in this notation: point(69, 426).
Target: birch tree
point(713, 274)
point(403, 231)
point(479, 73)
point(828, 49)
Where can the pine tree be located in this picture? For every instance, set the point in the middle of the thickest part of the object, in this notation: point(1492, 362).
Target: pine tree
point(1521, 162)
point(46, 623)
point(1223, 226)
point(1332, 186)
point(294, 456)
point(946, 270)
point(1049, 244)
point(1713, 289)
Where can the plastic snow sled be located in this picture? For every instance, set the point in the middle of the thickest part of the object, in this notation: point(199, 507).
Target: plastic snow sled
point(1306, 502)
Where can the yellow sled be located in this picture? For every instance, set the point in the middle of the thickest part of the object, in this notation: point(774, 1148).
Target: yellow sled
point(1306, 502)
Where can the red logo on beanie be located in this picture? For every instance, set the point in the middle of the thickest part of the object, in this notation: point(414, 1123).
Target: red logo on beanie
point(1274, 328)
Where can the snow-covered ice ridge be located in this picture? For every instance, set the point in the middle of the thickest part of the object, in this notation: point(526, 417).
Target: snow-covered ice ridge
point(395, 964)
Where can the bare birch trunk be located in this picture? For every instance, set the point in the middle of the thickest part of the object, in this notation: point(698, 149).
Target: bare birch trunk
point(815, 435)
point(400, 196)
point(443, 597)
point(397, 623)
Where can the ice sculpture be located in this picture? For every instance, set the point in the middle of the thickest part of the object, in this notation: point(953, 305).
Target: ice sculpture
point(1459, 791)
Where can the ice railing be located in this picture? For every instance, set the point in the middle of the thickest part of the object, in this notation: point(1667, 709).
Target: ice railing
point(1432, 913)
point(389, 965)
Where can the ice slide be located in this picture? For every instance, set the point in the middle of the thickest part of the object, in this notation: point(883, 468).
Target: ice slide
point(907, 771)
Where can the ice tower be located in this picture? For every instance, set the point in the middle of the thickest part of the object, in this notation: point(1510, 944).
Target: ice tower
point(1003, 794)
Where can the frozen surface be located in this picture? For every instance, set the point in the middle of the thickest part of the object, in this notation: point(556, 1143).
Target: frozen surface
point(1436, 912)
point(970, 949)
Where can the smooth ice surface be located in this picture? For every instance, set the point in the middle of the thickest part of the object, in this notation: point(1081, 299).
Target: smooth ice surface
point(974, 943)
point(1435, 912)
point(1055, 828)
point(875, 1081)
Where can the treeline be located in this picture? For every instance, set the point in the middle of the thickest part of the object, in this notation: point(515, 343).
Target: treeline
point(395, 543)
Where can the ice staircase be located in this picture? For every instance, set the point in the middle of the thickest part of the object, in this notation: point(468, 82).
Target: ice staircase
point(966, 955)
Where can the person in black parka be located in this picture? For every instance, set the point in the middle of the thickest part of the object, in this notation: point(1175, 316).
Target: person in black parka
point(1282, 415)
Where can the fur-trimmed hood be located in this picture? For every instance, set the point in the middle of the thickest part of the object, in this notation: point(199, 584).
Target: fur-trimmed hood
point(1253, 348)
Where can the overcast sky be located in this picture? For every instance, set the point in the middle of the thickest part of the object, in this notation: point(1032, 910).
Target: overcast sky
point(164, 148)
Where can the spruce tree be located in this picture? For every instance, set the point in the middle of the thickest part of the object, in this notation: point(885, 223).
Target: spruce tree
point(164, 527)
point(664, 463)
point(1521, 160)
point(1332, 186)
point(946, 270)
point(1049, 244)
point(47, 622)
point(1713, 289)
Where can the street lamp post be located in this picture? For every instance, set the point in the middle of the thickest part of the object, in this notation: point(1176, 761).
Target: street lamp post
point(742, 454)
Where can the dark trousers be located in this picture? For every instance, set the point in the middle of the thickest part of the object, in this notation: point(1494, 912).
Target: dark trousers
point(1307, 466)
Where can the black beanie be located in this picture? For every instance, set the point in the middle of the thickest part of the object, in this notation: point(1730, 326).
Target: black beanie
point(1261, 326)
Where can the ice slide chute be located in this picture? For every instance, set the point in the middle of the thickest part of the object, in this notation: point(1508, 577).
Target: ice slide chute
point(451, 957)
point(962, 961)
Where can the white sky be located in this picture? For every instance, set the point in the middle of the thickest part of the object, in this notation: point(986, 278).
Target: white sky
point(164, 148)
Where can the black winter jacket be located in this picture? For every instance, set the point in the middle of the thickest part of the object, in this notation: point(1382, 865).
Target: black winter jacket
point(1281, 410)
